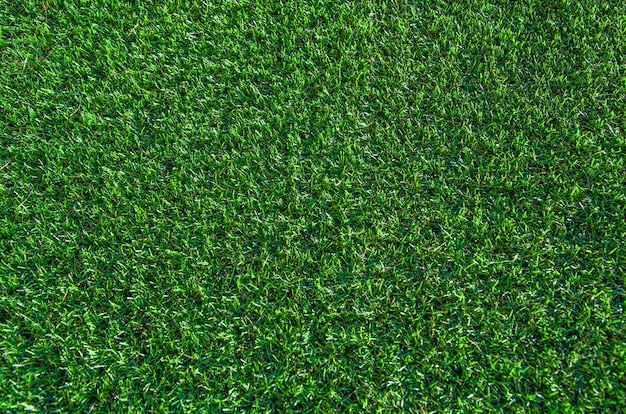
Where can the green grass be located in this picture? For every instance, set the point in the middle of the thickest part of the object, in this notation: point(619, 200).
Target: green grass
point(312, 206)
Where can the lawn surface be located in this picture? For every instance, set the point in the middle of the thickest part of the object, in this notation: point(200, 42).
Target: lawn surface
point(312, 206)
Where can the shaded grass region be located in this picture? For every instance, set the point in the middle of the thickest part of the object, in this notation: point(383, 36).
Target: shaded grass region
point(314, 206)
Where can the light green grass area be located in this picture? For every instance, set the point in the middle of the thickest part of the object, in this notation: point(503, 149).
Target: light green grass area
point(270, 206)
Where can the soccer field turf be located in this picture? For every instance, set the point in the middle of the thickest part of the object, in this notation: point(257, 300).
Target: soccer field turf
point(259, 206)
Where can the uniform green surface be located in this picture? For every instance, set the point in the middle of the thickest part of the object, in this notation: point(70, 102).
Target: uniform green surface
point(312, 206)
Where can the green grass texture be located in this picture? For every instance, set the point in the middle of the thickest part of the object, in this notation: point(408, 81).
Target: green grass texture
point(312, 206)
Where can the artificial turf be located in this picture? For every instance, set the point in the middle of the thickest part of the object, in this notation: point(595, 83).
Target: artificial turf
point(368, 206)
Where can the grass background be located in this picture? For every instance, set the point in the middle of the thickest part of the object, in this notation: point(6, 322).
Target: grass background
point(289, 205)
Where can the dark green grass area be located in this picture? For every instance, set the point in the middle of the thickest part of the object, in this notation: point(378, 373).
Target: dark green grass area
point(312, 206)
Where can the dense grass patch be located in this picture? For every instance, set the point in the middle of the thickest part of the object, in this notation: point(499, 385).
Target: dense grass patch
point(292, 205)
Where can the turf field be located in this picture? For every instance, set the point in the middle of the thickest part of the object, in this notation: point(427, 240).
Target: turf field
point(270, 206)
